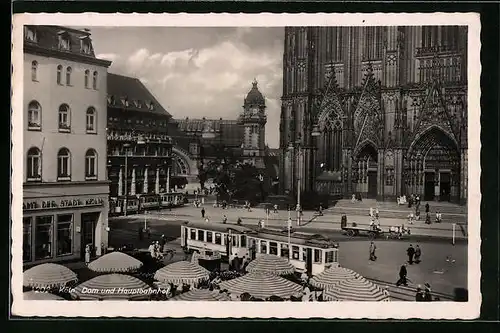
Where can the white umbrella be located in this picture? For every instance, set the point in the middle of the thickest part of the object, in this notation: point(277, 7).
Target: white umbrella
point(115, 262)
point(48, 276)
point(356, 290)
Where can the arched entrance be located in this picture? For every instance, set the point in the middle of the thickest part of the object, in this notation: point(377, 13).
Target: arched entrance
point(366, 162)
point(432, 166)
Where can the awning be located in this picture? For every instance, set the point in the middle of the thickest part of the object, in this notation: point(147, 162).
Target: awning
point(356, 290)
point(48, 276)
point(261, 286)
point(182, 272)
point(112, 287)
point(40, 296)
point(201, 295)
point(271, 264)
point(115, 262)
point(332, 276)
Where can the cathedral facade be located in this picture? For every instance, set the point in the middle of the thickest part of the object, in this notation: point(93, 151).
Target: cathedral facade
point(380, 111)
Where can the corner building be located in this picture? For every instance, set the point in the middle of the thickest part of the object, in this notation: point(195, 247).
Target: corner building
point(65, 191)
point(380, 111)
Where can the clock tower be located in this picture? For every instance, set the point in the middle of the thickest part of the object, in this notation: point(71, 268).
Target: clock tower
point(253, 119)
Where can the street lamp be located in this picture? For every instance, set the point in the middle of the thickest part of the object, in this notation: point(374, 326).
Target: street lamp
point(125, 202)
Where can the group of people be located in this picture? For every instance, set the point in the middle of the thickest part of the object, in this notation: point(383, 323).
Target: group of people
point(416, 217)
point(157, 248)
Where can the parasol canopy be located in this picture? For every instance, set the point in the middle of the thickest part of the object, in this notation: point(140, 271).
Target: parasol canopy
point(40, 296)
point(356, 290)
point(271, 264)
point(201, 295)
point(48, 276)
point(182, 272)
point(261, 285)
point(112, 287)
point(115, 262)
point(332, 276)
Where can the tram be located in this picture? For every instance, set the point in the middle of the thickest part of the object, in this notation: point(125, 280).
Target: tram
point(145, 202)
point(309, 253)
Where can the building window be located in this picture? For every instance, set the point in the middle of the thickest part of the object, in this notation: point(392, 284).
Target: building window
point(86, 46)
point(27, 238)
point(263, 247)
point(64, 234)
point(91, 118)
point(243, 241)
point(30, 34)
point(44, 236)
point(34, 165)
point(64, 121)
point(295, 252)
point(34, 116)
point(94, 81)
point(63, 164)
point(34, 70)
point(59, 74)
point(68, 76)
point(284, 250)
point(201, 235)
point(87, 78)
point(273, 248)
point(90, 165)
point(64, 43)
point(317, 256)
point(218, 238)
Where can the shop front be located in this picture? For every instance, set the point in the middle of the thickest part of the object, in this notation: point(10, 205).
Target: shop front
point(59, 228)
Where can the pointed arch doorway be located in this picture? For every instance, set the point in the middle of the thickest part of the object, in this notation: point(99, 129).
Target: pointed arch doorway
point(433, 166)
point(366, 161)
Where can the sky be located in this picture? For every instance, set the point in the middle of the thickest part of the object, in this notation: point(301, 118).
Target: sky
point(200, 72)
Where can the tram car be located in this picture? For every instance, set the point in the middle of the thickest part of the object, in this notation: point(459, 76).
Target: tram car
point(145, 202)
point(309, 253)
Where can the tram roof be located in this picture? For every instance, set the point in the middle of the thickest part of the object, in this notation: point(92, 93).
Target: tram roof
point(220, 227)
point(296, 237)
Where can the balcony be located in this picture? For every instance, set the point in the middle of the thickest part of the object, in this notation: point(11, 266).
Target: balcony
point(436, 49)
point(135, 137)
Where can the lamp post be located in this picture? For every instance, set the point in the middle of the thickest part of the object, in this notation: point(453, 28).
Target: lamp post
point(125, 202)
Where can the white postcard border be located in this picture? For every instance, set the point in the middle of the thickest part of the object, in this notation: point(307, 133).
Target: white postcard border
point(352, 310)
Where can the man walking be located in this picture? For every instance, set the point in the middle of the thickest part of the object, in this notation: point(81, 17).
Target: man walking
point(410, 252)
point(402, 276)
point(373, 247)
point(203, 213)
point(418, 253)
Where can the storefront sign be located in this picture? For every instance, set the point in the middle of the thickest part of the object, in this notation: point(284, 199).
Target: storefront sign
point(62, 203)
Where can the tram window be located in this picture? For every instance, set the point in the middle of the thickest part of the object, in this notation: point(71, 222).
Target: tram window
point(329, 257)
point(317, 256)
point(209, 237)
point(273, 248)
point(263, 247)
point(235, 241)
point(193, 234)
point(218, 238)
point(304, 253)
point(243, 241)
point(284, 250)
point(295, 252)
point(201, 235)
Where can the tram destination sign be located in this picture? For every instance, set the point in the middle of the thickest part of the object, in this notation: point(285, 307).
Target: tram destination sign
point(62, 203)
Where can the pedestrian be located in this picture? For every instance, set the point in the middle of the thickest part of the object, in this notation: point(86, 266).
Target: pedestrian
point(148, 230)
point(224, 219)
point(410, 252)
point(163, 241)
point(427, 293)
point(376, 213)
point(418, 253)
point(203, 212)
point(427, 207)
point(419, 296)
point(373, 247)
point(151, 250)
point(140, 233)
point(438, 217)
point(275, 208)
point(417, 213)
point(402, 276)
point(320, 210)
point(87, 254)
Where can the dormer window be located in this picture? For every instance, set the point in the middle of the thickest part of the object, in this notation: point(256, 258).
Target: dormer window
point(151, 106)
point(85, 45)
point(30, 34)
point(137, 104)
point(64, 42)
point(110, 99)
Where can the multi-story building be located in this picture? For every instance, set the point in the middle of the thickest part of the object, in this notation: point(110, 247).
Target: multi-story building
point(242, 138)
point(139, 148)
point(65, 191)
point(380, 111)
